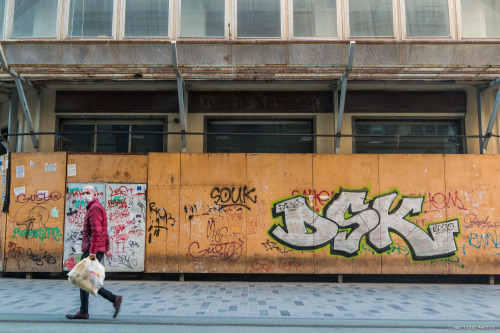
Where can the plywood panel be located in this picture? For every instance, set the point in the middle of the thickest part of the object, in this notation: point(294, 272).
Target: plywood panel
point(163, 214)
point(214, 203)
point(274, 177)
point(3, 217)
point(473, 195)
point(212, 169)
point(126, 210)
point(356, 178)
point(74, 220)
point(96, 168)
point(407, 180)
point(35, 222)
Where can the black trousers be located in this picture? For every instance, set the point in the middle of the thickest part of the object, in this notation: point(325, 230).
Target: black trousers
point(84, 296)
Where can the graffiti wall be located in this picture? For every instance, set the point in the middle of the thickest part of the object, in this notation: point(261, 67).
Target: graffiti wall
point(4, 164)
point(125, 208)
point(74, 220)
point(34, 233)
point(264, 213)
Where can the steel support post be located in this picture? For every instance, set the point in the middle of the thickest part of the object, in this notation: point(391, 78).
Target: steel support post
point(182, 95)
point(479, 100)
point(493, 117)
point(343, 84)
point(27, 115)
point(13, 107)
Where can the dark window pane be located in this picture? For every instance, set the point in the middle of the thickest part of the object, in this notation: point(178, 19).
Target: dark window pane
point(112, 142)
point(78, 142)
point(422, 143)
point(145, 18)
point(145, 143)
point(260, 144)
point(259, 18)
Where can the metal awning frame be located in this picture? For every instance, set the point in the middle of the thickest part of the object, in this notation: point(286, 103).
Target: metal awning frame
point(342, 83)
point(494, 112)
point(20, 80)
point(182, 93)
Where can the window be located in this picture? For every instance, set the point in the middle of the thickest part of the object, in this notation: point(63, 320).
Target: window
point(371, 18)
point(480, 18)
point(258, 18)
point(142, 140)
point(2, 17)
point(202, 18)
point(315, 18)
point(384, 136)
point(427, 18)
point(260, 144)
point(146, 18)
point(34, 19)
point(90, 18)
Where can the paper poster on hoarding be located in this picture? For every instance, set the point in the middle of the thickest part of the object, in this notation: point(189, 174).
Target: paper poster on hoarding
point(19, 191)
point(50, 167)
point(71, 170)
point(20, 171)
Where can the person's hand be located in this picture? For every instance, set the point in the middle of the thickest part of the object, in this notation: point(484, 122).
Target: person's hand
point(92, 256)
point(108, 254)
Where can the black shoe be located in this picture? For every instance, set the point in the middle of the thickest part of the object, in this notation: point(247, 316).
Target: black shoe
point(78, 315)
point(116, 304)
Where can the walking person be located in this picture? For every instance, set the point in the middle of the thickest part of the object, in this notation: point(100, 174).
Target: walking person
point(95, 243)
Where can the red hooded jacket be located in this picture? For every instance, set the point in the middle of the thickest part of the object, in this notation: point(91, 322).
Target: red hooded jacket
point(95, 236)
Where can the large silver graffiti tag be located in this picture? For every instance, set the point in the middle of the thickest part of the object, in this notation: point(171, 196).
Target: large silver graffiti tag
point(349, 211)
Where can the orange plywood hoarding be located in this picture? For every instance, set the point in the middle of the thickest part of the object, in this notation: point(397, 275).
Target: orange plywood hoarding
point(35, 222)
point(116, 168)
point(163, 214)
point(473, 195)
point(344, 183)
point(277, 229)
point(214, 203)
point(3, 216)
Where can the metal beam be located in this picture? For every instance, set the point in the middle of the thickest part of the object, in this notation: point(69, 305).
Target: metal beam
point(343, 84)
point(13, 107)
point(479, 100)
point(182, 95)
point(27, 115)
point(493, 117)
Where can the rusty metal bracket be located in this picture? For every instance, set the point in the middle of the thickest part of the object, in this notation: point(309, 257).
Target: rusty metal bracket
point(342, 83)
point(182, 95)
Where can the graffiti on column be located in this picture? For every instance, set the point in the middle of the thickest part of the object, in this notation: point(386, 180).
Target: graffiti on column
point(126, 207)
point(349, 216)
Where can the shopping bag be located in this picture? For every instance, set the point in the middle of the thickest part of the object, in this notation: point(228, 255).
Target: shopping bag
point(87, 275)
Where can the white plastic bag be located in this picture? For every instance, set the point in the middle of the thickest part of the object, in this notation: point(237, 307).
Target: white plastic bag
point(88, 275)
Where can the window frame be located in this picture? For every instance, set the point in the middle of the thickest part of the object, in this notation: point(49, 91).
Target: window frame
point(283, 23)
point(243, 118)
point(122, 15)
point(67, 7)
point(9, 22)
point(395, 24)
point(452, 24)
point(291, 19)
point(460, 120)
point(178, 23)
point(460, 31)
point(110, 120)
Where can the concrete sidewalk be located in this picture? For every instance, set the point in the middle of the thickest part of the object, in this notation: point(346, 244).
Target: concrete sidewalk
point(259, 300)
